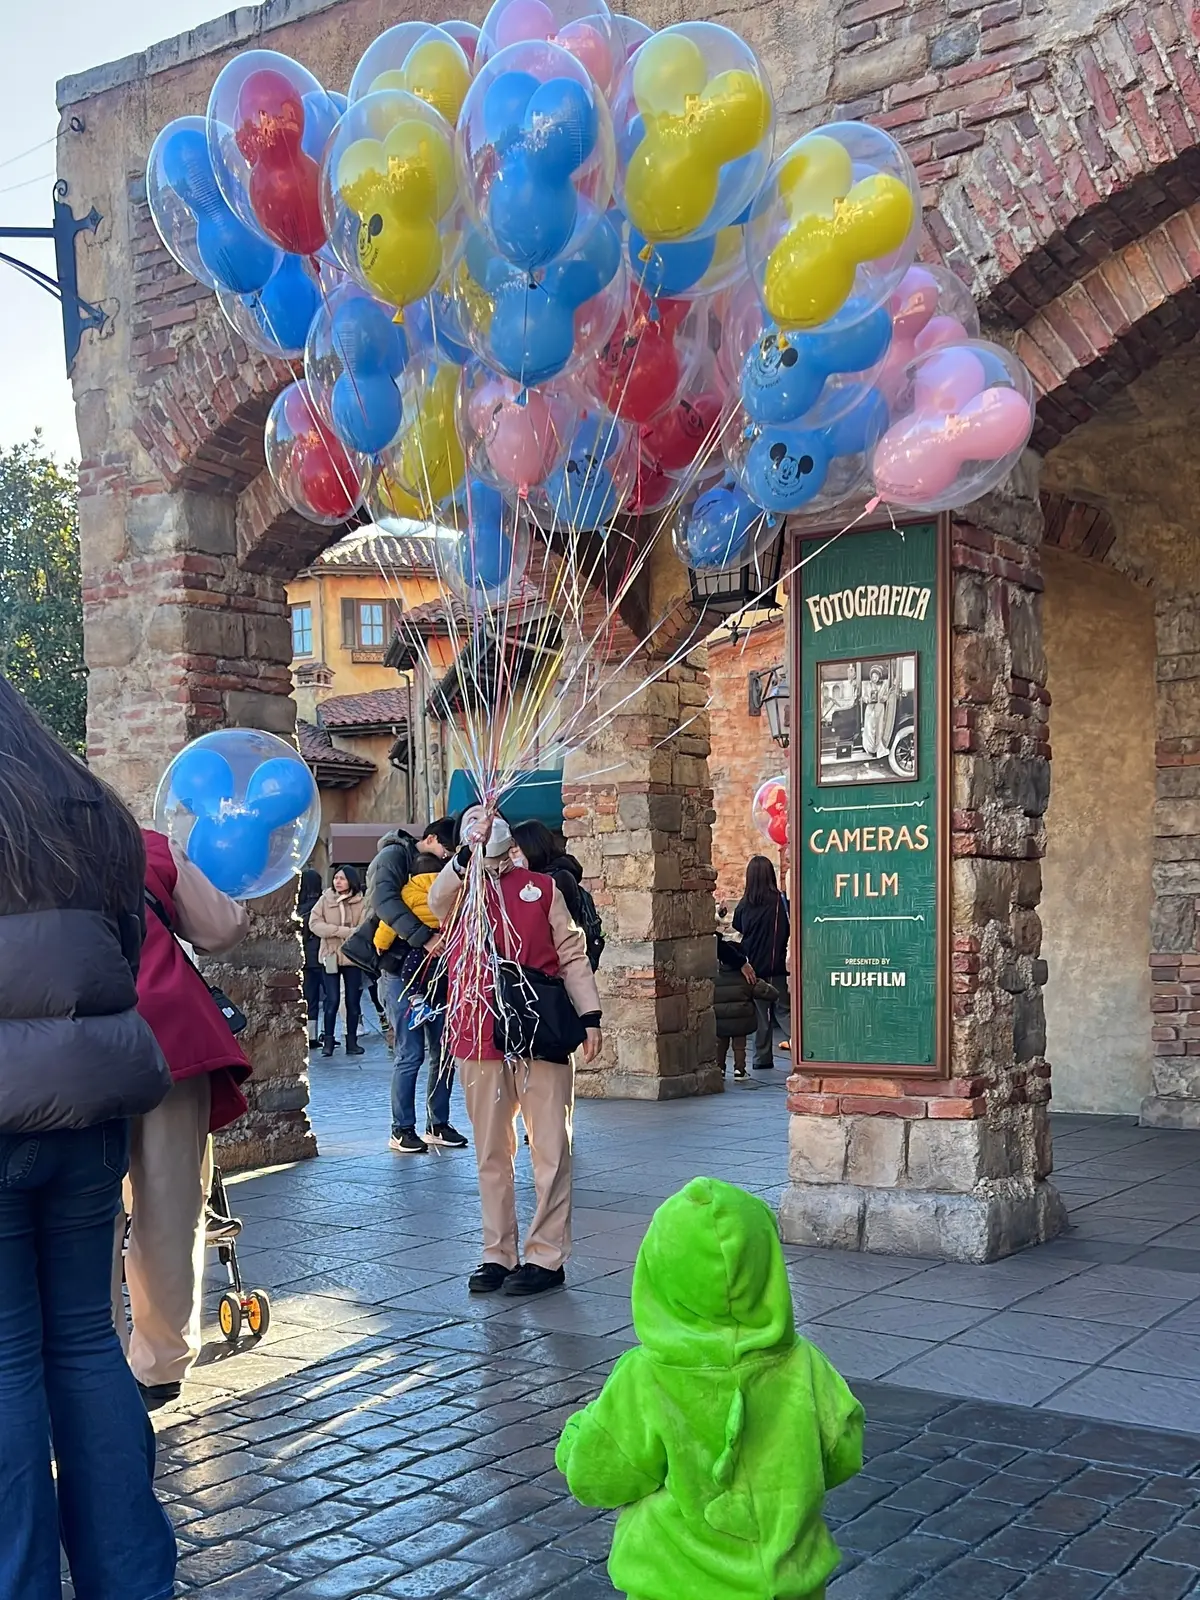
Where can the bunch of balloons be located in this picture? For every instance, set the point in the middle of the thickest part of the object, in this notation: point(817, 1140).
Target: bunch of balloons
point(553, 270)
point(243, 806)
point(770, 810)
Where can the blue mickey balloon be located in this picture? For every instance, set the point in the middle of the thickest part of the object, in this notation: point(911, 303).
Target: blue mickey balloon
point(785, 467)
point(532, 207)
point(230, 253)
point(285, 308)
point(484, 550)
point(668, 269)
point(783, 375)
point(436, 323)
point(721, 528)
point(583, 492)
point(365, 403)
point(230, 851)
point(202, 780)
point(532, 332)
point(322, 110)
point(279, 791)
point(861, 427)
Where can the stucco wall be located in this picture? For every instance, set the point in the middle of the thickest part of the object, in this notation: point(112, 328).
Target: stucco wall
point(1096, 884)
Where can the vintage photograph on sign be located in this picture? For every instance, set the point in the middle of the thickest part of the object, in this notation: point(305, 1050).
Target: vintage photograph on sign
point(868, 730)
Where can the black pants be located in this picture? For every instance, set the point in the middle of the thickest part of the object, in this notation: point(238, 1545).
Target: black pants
point(764, 1036)
point(353, 979)
point(314, 994)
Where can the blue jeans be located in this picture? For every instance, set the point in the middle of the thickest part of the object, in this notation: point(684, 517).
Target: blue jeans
point(411, 1044)
point(63, 1377)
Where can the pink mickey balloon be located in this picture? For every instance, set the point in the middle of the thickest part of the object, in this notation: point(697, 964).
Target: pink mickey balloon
point(589, 47)
point(931, 307)
point(970, 415)
point(465, 35)
point(514, 437)
point(522, 19)
point(585, 28)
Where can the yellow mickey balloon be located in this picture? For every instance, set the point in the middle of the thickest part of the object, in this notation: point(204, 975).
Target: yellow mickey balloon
point(693, 127)
point(436, 71)
point(389, 498)
point(427, 458)
point(400, 187)
point(836, 224)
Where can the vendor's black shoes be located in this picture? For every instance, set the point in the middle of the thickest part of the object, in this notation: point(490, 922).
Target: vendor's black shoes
point(532, 1279)
point(159, 1394)
point(488, 1277)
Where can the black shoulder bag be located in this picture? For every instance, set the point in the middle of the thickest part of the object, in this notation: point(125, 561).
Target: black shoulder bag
point(534, 1019)
point(234, 1015)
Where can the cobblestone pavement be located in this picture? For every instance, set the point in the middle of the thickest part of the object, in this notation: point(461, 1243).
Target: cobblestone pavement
point(393, 1437)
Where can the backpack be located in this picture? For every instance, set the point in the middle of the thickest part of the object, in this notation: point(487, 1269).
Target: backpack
point(593, 927)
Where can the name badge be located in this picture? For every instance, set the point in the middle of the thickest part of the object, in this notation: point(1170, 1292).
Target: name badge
point(531, 892)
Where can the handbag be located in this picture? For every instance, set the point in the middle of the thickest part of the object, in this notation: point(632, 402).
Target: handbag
point(234, 1016)
point(534, 1019)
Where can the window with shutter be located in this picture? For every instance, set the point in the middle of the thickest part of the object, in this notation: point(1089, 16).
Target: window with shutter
point(349, 624)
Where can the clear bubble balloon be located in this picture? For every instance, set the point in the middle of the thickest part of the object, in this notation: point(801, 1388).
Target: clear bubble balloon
point(769, 810)
point(419, 58)
point(514, 437)
point(812, 377)
point(786, 466)
point(388, 194)
point(694, 119)
point(425, 464)
point(960, 421)
point(930, 307)
point(268, 119)
point(312, 469)
point(243, 807)
point(535, 152)
point(354, 359)
point(835, 226)
point(720, 529)
point(465, 36)
point(482, 548)
point(277, 318)
point(653, 352)
point(195, 221)
point(631, 33)
point(593, 483)
point(585, 29)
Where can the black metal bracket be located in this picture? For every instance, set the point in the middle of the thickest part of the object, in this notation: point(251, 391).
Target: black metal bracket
point(78, 315)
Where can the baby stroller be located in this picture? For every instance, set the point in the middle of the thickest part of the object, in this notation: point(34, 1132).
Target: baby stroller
point(237, 1305)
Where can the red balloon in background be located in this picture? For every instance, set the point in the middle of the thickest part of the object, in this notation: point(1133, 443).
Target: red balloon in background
point(285, 184)
point(777, 829)
point(652, 489)
point(327, 477)
point(639, 373)
point(673, 440)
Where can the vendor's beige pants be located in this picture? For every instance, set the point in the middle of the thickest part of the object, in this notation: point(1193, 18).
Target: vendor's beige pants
point(170, 1170)
point(544, 1093)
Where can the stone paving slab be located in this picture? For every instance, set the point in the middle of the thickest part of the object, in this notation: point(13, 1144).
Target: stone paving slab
point(393, 1436)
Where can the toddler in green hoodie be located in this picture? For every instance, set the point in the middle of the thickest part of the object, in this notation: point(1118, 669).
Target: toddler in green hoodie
point(721, 1433)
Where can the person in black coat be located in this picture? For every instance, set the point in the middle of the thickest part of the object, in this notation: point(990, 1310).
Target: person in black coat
point(733, 1003)
point(307, 896)
point(762, 920)
point(76, 1063)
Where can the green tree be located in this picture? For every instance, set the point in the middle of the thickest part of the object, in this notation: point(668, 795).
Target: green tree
point(41, 604)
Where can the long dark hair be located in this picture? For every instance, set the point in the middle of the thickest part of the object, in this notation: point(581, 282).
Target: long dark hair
point(309, 889)
point(65, 837)
point(535, 842)
point(352, 875)
point(762, 888)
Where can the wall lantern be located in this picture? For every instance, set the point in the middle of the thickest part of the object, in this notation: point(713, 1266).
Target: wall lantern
point(771, 697)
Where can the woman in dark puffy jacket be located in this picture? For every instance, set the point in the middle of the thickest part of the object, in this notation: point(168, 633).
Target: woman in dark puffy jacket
point(762, 920)
point(76, 1062)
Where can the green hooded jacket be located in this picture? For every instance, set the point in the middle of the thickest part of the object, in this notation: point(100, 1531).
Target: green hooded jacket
point(721, 1433)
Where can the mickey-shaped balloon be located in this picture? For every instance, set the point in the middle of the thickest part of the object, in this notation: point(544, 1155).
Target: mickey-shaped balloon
point(284, 186)
point(276, 320)
point(642, 366)
point(186, 200)
point(836, 222)
point(931, 307)
point(770, 810)
point(584, 28)
point(532, 207)
point(785, 467)
point(588, 490)
point(693, 124)
point(722, 528)
point(365, 403)
point(484, 560)
point(684, 430)
point(784, 376)
point(426, 461)
point(668, 269)
point(391, 167)
point(422, 59)
point(309, 464)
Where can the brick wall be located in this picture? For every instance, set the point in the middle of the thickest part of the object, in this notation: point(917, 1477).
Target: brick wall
point(743, 754)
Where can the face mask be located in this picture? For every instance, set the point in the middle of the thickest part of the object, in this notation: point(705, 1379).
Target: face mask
point(517, 857)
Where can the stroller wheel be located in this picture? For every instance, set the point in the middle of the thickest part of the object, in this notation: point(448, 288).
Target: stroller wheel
point(258, 1312)
point(229, 1315)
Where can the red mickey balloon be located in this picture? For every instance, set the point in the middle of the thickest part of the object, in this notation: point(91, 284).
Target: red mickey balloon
point(328, 479)
point(640, 371)
point(674, 438)
point(777, 829)
point(770, 810)
point(285, 182)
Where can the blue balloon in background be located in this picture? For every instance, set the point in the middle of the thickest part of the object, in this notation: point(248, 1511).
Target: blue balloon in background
point(531, 220)
point(504, 109)
point(721, 528)
point(279, 791)
point(485, 548)
point(542, 133)
point(783, 376)
point(365, 403)
point(862, 426)
point(668, 269)
point(202, 780)
point(532, 332)
point(230, 851)
point(786, 467)
point(850, 348)
point(322, 109)
point(232, 255)
point(285, 308)
point(436, 324)
point(582, 490)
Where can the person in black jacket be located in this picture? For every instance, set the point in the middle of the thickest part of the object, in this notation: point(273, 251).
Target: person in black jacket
point(307, 896)
point(76, 1063)
point(762, 920)
point(733, 1003)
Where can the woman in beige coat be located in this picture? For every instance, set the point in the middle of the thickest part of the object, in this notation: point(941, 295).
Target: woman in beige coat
point(333, 919)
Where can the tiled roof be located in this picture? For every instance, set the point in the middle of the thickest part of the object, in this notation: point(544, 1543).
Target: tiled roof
point(378, 708)
point(370, 547)
point(332, 768)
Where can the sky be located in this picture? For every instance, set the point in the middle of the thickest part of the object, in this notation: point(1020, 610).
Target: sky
point(45, 40)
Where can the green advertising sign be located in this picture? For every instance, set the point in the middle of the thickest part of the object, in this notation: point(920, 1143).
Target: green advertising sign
point(870, 830)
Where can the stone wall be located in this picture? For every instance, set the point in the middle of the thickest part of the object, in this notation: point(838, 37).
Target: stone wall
point(637, 812)
point(743, 754)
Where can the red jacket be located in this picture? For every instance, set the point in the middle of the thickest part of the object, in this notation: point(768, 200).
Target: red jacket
point(174, 999)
